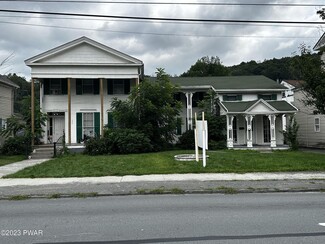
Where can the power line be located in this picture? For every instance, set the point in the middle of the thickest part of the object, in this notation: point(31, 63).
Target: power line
point(165, 19)
point(172, 3)
point(142, 21)
point(161, 34)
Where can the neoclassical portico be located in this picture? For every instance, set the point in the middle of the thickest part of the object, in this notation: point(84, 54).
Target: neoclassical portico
point(257, 122)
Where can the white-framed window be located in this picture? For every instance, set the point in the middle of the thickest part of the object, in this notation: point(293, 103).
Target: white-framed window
point(3, 124)
point(88, 124)
point(317, 124)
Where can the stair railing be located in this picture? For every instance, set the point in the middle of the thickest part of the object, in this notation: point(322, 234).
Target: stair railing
point(61, 138)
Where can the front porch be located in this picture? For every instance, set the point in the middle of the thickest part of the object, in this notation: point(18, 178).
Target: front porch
point(256, 125)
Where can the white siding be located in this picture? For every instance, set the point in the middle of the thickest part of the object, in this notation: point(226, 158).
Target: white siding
point(6, 101)
point(85, 72)
point(306, 120)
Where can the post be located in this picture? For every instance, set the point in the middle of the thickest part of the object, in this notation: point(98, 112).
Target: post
point(69, 110)
point(196, 141)
point(204, 142)
point(33, 111)
point(272, 119)
point(101, 107)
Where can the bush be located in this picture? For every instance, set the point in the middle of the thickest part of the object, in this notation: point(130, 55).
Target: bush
point(124, 141)
point(217, 145)
point(186, 140)
point(97, 146)
point(291, 134)
point(16, 146)
point(119, 141)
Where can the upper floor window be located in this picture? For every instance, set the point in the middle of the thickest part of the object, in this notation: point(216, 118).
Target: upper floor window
point(87, 86)
point(232, 97)
point(119, 86)
point(55, 86)
point(267, 97)
point(197, 97)
point(317, 124)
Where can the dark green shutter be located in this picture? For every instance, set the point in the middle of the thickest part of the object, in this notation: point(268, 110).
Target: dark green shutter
point(239, 97)
point(46, 85)
point(110, 86)
point(179, 126)
point(64, 86)
point(259, 96)
point(96, 86)
point(127, 86)
point(97, 124)
point(79, 127)
point(274, 97)
point(78, 86)
point(110, 120)
point(225, 98)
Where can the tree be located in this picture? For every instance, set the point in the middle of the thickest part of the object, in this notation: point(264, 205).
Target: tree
point(312, 73)
point(216, 122)
point(207, 66)
point(151, 109)
point(321, 13)
point(291, 133)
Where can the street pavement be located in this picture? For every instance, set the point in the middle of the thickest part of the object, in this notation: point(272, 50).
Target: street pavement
point(229, 183)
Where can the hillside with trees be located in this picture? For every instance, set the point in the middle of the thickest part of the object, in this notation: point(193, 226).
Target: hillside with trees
point(275, 69)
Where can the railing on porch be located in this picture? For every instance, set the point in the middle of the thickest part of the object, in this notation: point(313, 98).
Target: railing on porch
point(60, 141)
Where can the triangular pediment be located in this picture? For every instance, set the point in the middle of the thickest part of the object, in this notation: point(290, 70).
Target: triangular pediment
point(83, 51)
point(260, 107)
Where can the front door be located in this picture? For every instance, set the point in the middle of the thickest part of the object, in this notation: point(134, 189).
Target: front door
point(55, 126)
point(58, 127)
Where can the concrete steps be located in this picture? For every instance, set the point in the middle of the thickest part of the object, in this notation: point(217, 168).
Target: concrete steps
point(43, 152)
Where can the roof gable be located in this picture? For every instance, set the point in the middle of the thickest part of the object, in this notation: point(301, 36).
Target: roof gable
point(258, 107)
point(82, 51)
point(5, 80)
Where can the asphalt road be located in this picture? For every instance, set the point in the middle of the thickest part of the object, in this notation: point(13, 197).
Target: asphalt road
point(197, 218)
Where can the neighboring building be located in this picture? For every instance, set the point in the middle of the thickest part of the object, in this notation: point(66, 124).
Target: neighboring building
point(311, 131)
point(253, 106)
point(7, 91)
point(291, 85)
point(78, 81)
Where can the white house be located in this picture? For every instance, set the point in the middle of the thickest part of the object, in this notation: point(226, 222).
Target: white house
point(78, 81)
point(7, 91)
point(253, 106)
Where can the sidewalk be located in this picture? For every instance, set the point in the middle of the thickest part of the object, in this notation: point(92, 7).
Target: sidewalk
point(157, 184)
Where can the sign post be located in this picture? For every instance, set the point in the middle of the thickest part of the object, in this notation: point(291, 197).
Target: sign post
point(201, 138)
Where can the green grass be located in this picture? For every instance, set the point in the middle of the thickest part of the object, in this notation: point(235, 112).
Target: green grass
point(163, 163)
point(4, 160)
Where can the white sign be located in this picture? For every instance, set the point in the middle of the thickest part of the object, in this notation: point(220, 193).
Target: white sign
point(200, 127)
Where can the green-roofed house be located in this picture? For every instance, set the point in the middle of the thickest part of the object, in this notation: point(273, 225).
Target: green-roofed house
point(253, 106)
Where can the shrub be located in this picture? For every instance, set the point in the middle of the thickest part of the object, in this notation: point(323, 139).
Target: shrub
point(124, 141)
point(217, 145)
point(186, 140)
point(119, 141)
point(97, 146)
point(16, 146)
point(291, 134)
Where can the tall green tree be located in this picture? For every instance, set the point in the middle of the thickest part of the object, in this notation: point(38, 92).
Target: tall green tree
point(311, 71)
point(207, 66)
point(216, 122)
point(151, 109)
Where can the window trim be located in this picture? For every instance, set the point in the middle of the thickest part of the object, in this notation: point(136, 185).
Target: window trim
point(317, 125)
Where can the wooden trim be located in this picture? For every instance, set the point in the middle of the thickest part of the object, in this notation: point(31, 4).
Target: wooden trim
point(33, 111)
point(101, 90)
point(69, 110)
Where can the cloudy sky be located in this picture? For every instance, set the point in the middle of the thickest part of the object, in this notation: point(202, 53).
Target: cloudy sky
point(172, 45)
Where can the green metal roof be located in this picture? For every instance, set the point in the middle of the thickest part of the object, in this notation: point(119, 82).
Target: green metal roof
point(243, 106)
point(228, 82)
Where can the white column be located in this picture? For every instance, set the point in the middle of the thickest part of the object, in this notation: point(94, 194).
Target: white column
point(230, 132)
point(249, 130)
point(189, 110)
point(272, 119)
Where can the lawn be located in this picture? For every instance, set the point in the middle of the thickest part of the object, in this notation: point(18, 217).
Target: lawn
point(163, 163)
point(10, 159)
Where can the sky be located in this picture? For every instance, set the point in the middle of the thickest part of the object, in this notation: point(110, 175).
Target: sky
point(172, 45)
